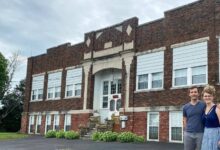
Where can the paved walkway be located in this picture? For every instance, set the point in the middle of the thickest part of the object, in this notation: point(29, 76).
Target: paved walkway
point(41, 143)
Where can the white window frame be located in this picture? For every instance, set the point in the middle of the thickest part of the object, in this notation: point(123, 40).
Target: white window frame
point(65, 121)
point(54, 87)
point(148, 126)
point(56, 121)
point(37, 89)
point(46, 122)
point(39, 118)
point(149, 82)
point(74, 85)
point(170, 131)
point(189, 77)
point(31, 122)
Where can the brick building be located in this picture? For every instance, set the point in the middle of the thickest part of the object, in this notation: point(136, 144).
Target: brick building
point(139, 71)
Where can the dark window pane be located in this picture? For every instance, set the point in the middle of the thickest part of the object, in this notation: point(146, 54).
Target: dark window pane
point(118, 105)
point(112, 105)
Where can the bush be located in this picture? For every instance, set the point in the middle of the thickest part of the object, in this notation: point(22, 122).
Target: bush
point(60, 134)
point(126, 137)
point(96, 136)
point(50, 134)
point(72, 135)
point(109, 136)
point(138, 139)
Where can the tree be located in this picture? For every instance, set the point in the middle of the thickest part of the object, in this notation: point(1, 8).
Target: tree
point(7, 70)
point(3, 74)
point(11, 64)
point(12, 108)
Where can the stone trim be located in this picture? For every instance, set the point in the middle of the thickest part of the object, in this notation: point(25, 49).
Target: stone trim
point(53, 71)
point(63, 112)
point(152, 108)
point(88, 55)
point(40, 74)
point(151, 51)
point(108, 51)
point(190, 42)
point(73, 67)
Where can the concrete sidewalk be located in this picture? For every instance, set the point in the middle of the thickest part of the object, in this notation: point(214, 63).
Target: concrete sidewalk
point(41, 143)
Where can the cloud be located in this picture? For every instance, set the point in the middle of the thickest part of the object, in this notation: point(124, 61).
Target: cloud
point(32, 26)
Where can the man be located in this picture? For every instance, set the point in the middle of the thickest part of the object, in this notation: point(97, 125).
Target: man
point(192, 121)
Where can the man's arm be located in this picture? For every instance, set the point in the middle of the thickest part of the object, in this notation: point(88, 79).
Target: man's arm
point(184, 122)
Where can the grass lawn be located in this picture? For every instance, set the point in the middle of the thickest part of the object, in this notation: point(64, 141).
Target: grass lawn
point(11, 135)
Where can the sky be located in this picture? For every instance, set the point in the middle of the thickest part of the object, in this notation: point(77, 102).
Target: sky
point(30, 27)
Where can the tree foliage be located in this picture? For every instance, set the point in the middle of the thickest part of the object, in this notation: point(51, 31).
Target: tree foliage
point(12, 108)
point(3, 74)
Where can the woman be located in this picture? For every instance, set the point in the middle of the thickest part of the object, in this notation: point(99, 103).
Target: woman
point(211, 119)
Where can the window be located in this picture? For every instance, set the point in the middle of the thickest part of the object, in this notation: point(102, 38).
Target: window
point(50, 93)
point(56, 122)
point(34, 94)
point(176, 127)
point(112, 105)
point(143, 81)
point(48, 123)
point(113, 87)
point(38, 124)
point(54, 85)
point(153, 126)
point(69, 90)
point(73, 82)
point(105, 88)
point(190, 64)
point(37, 87)
point(157, 80)
point(77, 89)
point(150, 71)
point(105, 102)
point(67, 123)
point(57, 91)
point(180, 77)
point(199, 75)
point(31, 124)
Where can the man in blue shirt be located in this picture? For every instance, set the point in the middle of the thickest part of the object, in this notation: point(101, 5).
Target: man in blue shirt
point(192, 121)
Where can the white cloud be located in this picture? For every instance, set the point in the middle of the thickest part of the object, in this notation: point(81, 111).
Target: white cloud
point(32, 26)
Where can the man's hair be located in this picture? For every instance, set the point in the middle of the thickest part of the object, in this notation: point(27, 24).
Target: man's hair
point(209, 89)
point(193, 87)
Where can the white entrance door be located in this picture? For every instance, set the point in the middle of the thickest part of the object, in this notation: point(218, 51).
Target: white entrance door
point(110, 99)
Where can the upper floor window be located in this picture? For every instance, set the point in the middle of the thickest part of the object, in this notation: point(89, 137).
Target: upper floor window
point(54, 85)
point(73, 82)
point(150, 71)
point(37, 88)
point(190, 65)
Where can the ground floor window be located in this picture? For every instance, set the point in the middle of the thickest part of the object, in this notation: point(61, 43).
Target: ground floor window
point(67, 122)
point(56, 122)
point(153, 126)
point(31, 124)
point(48, 123)
point(38, 124)
point(176, 127)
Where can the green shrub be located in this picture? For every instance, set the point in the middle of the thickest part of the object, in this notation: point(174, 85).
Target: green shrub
point(72, 135)
point(96, 136)
point(60, 134)
point(101, 136)
point(138, 139)
point(126, 137)
point(109, 136)
point(50, 134)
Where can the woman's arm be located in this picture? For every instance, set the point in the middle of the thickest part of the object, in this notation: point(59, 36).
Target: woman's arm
point(217, 111)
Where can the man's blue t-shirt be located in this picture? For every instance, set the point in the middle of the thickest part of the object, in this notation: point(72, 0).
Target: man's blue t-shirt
point(193, 114)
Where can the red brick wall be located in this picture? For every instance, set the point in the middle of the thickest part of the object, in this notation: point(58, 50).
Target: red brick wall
point(164, 127)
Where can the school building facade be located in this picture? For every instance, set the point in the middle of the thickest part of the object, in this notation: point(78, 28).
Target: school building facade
point(138, 74)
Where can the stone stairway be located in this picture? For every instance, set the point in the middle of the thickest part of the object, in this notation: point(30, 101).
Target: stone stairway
point(94, 125)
